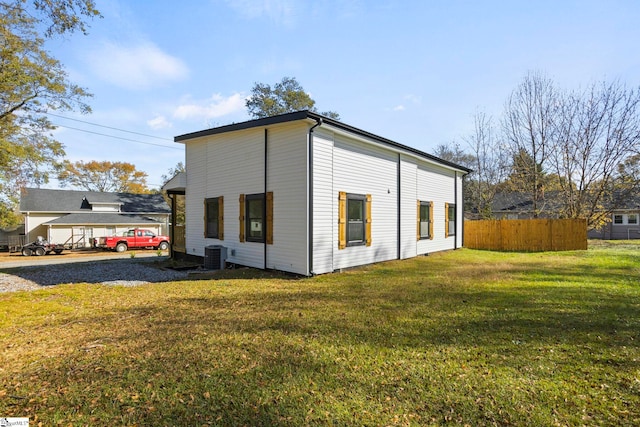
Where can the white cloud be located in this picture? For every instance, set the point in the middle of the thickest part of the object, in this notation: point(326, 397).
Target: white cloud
point(141, 66)
point(414, 99)
point(159, 123)
point(411, 100)
point(214, 107)
point(279, 11)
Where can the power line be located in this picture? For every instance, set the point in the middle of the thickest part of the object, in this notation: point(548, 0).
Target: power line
point(107, 127)
point(118, 137)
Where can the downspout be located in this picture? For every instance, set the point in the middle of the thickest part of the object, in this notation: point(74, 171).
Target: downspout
point(172, 229)
point(399, 208)
point(264, 204)
point(310, 192)
point(462, 204)
point(455, 197)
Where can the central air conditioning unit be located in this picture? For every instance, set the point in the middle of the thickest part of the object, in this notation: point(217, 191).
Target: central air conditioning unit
point(215, 257)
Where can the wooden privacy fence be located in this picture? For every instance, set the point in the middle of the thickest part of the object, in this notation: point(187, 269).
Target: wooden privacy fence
point(527, 235)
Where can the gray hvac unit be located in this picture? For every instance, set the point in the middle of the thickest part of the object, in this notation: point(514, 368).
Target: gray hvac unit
point(215, 257)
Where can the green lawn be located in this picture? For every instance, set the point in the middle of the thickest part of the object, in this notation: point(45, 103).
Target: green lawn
point(464, 337)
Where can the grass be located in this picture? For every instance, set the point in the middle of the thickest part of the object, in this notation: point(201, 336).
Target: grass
point(465, 337)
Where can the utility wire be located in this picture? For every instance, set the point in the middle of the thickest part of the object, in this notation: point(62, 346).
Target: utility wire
point(107, 127)
point(118, 137)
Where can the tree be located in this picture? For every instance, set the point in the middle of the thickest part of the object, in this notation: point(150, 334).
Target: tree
point(528, 129)
point(596, 132)
point(119, 177)
point(454, 153)
point(285, 97)
point(489, 166)
point(179, 168)
point(31, 84)
point(628, 176)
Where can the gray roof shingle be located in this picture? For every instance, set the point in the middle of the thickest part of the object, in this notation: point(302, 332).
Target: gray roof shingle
point(46, 200)
point(101, 219)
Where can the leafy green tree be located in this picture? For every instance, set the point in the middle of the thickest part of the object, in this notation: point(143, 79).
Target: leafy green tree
point(286, 96)
point(119, 177)
point(33, 83)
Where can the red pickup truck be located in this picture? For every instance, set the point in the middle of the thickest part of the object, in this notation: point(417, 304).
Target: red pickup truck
point(134, 238)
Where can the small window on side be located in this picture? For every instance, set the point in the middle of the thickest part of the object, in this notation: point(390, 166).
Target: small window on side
point(212, 210)
point(255, 213)
point(632, 219)
point(618, 219)
point(425, 220)
point(451, 222)
point(356, 219)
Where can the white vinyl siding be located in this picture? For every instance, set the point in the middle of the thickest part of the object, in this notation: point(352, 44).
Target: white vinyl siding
point(435, 184)
point(325, 203)
point(409, 180)
point(226, 165)
point(359, 168)
point(287, 174)
point(353, 167)
point(231, 164)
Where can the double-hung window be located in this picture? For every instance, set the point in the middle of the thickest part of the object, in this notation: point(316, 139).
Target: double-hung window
point(354, 220)
point(425, 220)
point(213, 218)
point(255, 214)
point(625, 219)
point(256, 218)
point(450, 219)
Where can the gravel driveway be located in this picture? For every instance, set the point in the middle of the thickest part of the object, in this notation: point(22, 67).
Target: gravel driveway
point(122, 272)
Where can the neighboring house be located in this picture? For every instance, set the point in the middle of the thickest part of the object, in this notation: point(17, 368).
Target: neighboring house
point(306, 194)
point(623, 223)
point(517, 205)
point(75, 217)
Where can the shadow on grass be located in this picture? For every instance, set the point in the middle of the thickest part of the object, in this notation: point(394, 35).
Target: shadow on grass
point(359, 348)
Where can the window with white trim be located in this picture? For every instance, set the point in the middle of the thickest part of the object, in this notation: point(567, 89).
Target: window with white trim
point(626, 219)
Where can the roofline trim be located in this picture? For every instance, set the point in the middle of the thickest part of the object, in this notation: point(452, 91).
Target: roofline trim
point(306, 114)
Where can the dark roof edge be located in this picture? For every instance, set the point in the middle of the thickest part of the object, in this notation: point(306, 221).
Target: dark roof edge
point(266, 121)
point(305, 114)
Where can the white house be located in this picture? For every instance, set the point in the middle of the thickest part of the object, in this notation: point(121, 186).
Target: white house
point(74, 217)
point(306, 194)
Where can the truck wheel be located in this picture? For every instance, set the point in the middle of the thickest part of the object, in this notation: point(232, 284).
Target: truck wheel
point(121, 247)
point(40, 251)
point(27, 252)
point(163, 246)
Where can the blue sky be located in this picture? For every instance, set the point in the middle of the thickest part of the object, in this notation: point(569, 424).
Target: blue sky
point(411, 71)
